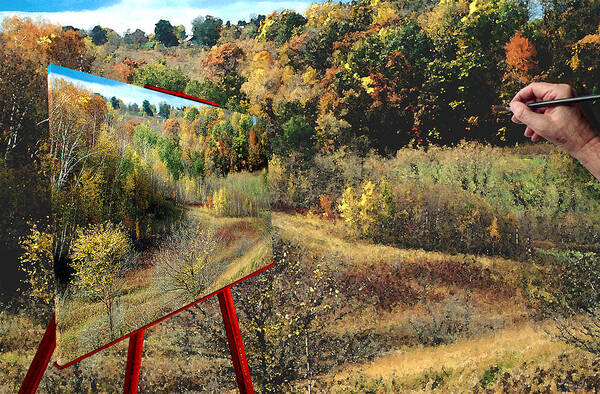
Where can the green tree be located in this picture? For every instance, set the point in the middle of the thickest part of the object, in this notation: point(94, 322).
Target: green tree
point(180, 33)
point(164, 110)
point(281, 27)
point(170, 154)
point(207, 90)
point(297, 133)
point(136, 39)
point(147, 108)
point(206, 30)
point(158, 74)
point(164, 33)
point(114, 102)
point(99, 35)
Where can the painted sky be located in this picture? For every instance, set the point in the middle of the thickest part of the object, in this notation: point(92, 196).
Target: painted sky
point(121, 15)
point(108, 88)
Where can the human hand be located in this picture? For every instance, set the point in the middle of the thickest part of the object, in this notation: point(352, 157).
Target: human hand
point(564, 125)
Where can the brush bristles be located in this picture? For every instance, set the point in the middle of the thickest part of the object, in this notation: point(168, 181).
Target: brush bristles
point(500, 109)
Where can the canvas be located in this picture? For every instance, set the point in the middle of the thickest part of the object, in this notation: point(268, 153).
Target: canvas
point(157, 202)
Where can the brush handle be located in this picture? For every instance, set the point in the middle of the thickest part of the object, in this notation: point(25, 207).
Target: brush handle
point(569, 100)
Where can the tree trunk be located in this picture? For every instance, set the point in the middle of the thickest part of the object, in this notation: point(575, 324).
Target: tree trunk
point(308, 377)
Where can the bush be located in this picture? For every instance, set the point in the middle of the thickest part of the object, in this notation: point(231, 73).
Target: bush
point(100, 254)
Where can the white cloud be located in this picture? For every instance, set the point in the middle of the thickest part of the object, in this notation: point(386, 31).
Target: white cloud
point(141, 14)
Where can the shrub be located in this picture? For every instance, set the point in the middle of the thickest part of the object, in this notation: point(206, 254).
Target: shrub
point(100, 254)
point(37, 263)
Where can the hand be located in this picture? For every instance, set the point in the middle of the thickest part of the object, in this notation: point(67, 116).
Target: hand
point(564, 125)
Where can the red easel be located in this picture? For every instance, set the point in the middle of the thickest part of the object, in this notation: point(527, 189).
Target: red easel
point(134, 353)
point(136, 339)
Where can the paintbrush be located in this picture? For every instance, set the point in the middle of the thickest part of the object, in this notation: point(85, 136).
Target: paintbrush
point(539, 104)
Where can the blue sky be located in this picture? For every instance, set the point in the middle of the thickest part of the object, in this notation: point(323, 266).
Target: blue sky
point(109, 88)
point(121, 15)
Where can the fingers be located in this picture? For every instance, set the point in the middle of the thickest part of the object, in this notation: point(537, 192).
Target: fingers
point(532, 91)
point(536, 138)
point(538, 91)
point(530, 118)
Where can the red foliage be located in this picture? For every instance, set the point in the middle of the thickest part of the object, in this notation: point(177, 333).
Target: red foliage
point(383, 281)
point(408, 283)
point(129, 126)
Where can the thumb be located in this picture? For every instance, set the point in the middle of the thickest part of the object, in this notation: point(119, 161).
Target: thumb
point(532, 119)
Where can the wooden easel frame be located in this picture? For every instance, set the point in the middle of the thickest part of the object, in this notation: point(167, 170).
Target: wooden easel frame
point(136, 343)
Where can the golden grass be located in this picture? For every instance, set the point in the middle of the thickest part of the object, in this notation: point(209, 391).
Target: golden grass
point(328, 236)
point(259, 256)
point(466, 359)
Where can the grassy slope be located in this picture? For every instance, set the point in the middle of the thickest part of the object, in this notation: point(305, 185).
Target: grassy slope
point(460, 365)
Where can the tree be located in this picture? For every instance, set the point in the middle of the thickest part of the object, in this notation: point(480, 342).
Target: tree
point(164, 110)
point(520, 57)
point(158, 74)
point(297, 133)
point(223, 60)
point(206, 30)
point(136, 39)
point(147, 108)
point(164, 33)
point(281, 27)
point(207, 90)
point(180, 33)
point(98, 35)
point(114, 102)
point(100, 255)
point(37, 263)
point(187, 261)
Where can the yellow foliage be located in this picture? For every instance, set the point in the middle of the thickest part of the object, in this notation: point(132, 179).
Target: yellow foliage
point(368, 208)
point(367, 83)
point(220, 202)
point(310, 75)
point(37, 263)
point(288, 74)
point(383, 11)
point(98, 253)
point(493, 229)
point(349, 208)
point(322, 15)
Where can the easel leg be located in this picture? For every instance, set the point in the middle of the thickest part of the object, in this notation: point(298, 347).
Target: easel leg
point(134, 361)
point(234, 337)
point(40, 360)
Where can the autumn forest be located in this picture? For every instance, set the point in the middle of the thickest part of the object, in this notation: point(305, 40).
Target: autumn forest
point(421, 242)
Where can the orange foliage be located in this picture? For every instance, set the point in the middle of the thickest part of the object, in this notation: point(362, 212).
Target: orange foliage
point(129, 126)
point(172, 126)
point(124, 71)
point(326, 204)
point(520, 56)
point(223, 60)
point(45, 43)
